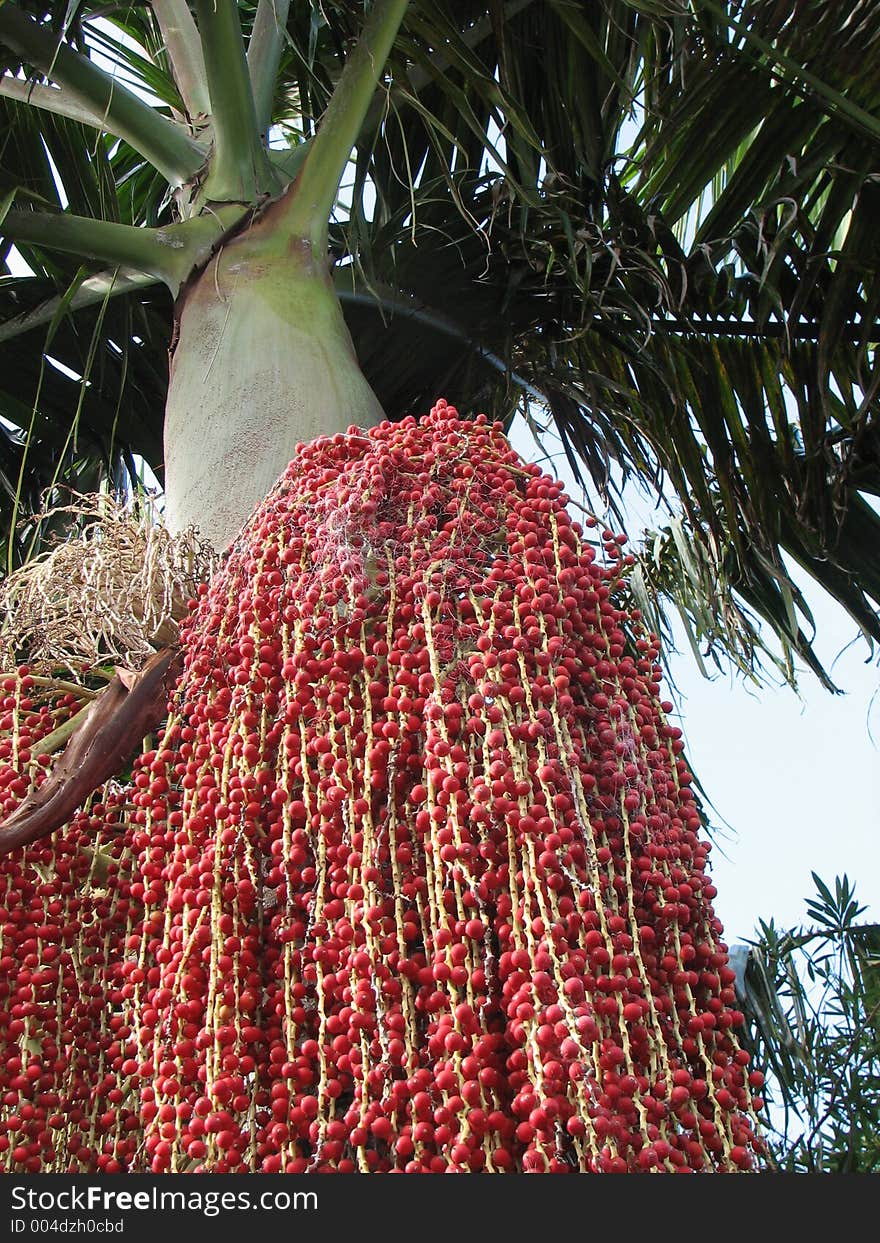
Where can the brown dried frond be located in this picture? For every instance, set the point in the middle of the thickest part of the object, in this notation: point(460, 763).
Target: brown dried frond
point(113, 592)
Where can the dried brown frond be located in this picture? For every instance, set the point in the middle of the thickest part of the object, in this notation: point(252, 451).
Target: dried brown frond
point(112, 592)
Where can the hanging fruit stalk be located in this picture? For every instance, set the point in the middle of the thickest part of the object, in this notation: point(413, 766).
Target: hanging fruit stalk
point(65, 911)
point(417, 875)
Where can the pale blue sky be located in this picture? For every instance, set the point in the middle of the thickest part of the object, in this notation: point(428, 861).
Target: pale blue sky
point(797, 780)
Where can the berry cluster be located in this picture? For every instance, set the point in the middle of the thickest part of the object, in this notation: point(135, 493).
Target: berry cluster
point(413, 879)
point(65, 913)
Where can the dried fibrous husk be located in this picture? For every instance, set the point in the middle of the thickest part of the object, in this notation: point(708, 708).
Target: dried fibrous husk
point(112, 593)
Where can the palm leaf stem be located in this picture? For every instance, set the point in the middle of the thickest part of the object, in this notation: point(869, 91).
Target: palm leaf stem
point(50, 99)
point(176, 156)
point(306, 211)
point(92, 290)
point(264, 56)
point(184, 50)
point(239, 170)
point(168, 254)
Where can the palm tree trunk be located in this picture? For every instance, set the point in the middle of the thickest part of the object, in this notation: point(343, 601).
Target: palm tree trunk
point(262, 361)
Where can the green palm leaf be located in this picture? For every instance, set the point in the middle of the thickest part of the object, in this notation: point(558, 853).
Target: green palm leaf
point(652, 223)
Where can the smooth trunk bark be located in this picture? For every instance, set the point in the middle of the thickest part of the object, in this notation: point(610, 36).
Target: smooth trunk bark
point(262, 360)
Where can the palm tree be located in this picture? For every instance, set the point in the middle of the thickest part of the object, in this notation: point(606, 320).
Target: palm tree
point(651, 222)
point(334, 921)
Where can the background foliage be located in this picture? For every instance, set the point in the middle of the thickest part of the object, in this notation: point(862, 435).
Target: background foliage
point(811, 995)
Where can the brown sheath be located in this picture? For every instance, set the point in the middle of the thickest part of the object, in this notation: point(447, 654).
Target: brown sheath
point(117, 722)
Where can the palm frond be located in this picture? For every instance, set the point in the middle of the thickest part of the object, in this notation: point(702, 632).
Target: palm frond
point(650, 221)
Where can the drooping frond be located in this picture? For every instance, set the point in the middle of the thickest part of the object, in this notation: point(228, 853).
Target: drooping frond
point(654, 222)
